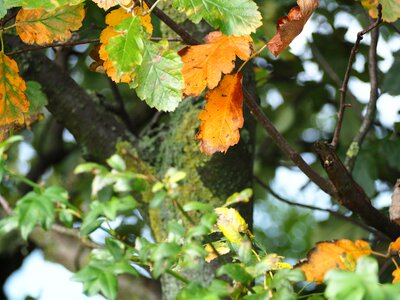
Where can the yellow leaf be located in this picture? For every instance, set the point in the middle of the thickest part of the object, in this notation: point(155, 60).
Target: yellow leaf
point(291, 25)
point(203, 65)
point(106, 4)
point(222, 116)
point(113, 19)
point(341, 254)
point(13, 101)
point(43, 27)
point(231, 224)
point(394, 247)
point(220, 246)
point(396, 276)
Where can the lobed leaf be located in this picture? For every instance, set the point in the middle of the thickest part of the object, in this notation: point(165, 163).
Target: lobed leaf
point(341, 254)
point(290, 26)
point(42, 27)
point(158, 79)
point(203, 65)
point(222, 116)
point(13, 101)
point(239, 17)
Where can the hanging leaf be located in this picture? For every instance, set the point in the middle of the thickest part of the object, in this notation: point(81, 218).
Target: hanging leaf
point(390, 9)
point(204, 64)
point(222, 116)
point(159, 79)
point(239, 17)
point(13, 101)
point(231, 224)
point(48, 4)
point(341, 254)
point(120, 49)
point(107, 4)
point(290, 26)
point(42, 27)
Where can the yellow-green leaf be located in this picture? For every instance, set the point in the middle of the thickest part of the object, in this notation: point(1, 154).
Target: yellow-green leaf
point(231, 224)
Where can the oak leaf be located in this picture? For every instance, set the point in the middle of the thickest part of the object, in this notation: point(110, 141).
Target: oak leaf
point(291, 26)
point(42, 27)
point(13, 100)
point(222, 116)
point(107, 4)
point(390, 9)
point(341, 254)
point(118, 66)
point(203, 65)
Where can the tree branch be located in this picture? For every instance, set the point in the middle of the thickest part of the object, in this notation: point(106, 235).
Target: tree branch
point(330, 211)
point(371, 108)
point(344, 88)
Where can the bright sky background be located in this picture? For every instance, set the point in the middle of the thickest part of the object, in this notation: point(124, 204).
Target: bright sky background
point(49, 281)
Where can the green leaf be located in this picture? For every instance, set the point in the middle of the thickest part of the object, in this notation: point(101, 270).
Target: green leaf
point(125, 51)
point(194, 291)
point(159, 79)
point(243, 196)
point(164, 256)
point(236, 272)
point(4, 145)
point(391, 79)
point(116, 162)
point(158, 198)
point(200, 206)
point(36, 96)
point(238, 17)
point(47, 4)
point(6, 4)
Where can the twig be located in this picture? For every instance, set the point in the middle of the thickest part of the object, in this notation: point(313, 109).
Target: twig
point(330, 211)
point(4, 204)
point(371, 108)
point(186, 37)
point(344, 88)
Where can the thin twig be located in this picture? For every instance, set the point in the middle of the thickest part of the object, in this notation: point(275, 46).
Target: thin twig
point(186, 37)
point(4, 204)
point(344, 88)
point(371, 108)
point(330, 211)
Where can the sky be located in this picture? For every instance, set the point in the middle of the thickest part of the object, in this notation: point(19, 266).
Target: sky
point(49, 281)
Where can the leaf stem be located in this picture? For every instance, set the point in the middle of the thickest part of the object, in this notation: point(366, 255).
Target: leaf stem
point(178, 276)
point(257, 53)
point(152, 7)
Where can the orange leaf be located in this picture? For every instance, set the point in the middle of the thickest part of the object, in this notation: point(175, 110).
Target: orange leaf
point(113, 19)
point(396, 276)
point(341, 254)
point(290, 26)
point(13, 101)
point(203, 65)
point(42, 27)
point(394, 247)
point(222, 116)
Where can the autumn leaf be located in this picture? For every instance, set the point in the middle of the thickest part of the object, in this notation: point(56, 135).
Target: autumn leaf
point(341, 254)
point(231, 224)
point(390, 9)
point(222, 116)
point(221, 247)
point(159, 79)
point(13, 101)
point(47, 4)
point(42, 27)
point(203, 65)
point(394, 247)
point(290, 26)
point(107, 4)
point(239, 17)
point(396, 276)
point(120, 48)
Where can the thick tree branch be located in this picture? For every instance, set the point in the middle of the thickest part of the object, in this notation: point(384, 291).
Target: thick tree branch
point(350, 194)
point(344, 88)
point(371, 108)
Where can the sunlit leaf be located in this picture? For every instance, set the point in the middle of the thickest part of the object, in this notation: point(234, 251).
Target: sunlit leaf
point(237, 17)
point(231, 224)
point(341, 254)
point(13, 101)
point(222, 116)
point(290, 26)
point(396, 276)
point(42, 27)
point(205, 64)
point(107, 4)
point(48, 4)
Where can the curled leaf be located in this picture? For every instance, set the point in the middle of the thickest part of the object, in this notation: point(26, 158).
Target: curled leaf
point(203, 65)
point(231, 224)
point(42, 27)
point(341, 254)
point(222, 116)
point(13, 100)
point(290, 26)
